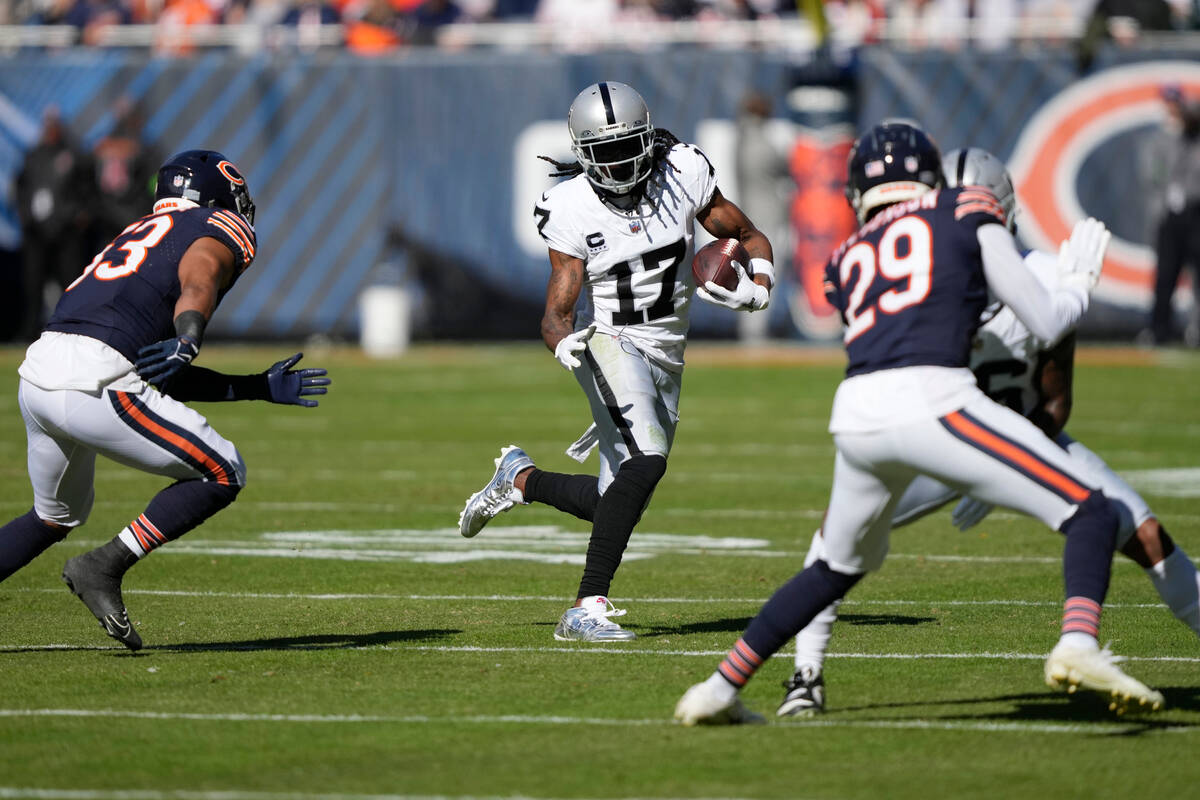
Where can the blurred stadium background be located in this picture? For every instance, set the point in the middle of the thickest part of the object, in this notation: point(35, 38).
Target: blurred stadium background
point(393, 142)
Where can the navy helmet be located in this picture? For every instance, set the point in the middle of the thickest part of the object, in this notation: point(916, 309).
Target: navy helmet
point(892, 162)
point(208, 179)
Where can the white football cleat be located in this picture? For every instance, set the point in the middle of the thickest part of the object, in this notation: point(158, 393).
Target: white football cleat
point(589, 622)
point(1069, 668)
point(700, 706)
point(498, 495)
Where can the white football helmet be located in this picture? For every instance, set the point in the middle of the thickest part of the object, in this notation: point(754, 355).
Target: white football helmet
point(974, 166)
point(611, 136)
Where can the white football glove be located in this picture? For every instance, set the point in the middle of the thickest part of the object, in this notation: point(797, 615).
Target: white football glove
point(569, 347)
point(1081, 257)
point(747, 296)
point(969, 512)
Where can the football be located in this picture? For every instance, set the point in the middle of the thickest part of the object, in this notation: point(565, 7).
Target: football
point(714, 262)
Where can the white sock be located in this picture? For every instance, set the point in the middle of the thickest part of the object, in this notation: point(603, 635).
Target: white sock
point(129, 540)
point(1079, 641)
point(723, 689)
point(813, 640)
point(1178, 584)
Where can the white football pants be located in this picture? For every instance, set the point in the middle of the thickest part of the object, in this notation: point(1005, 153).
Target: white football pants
point(925, 495)
point(984, 450)
point(634, 402)
point(145, 430)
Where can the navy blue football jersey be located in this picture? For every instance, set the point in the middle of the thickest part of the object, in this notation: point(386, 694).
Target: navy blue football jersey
point(909, 283)
point(126, 297)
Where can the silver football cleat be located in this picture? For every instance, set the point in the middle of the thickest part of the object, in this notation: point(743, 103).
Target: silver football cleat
point(498, 495)
point(589, 622)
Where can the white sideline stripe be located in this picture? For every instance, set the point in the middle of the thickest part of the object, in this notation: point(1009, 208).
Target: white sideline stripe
point(518, 719)
point(633, 651)
point(521, 598)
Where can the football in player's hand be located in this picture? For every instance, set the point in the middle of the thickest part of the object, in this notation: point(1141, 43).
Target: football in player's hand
point(714, 262)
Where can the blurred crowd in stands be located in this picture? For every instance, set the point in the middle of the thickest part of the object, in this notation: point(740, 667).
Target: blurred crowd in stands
point(71, 201)
point(382, 25)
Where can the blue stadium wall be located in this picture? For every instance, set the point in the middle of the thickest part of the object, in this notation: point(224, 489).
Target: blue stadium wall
point(365, 170)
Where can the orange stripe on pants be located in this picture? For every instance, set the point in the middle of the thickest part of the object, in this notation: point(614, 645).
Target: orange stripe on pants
point(1029, 463)
point(203, 458)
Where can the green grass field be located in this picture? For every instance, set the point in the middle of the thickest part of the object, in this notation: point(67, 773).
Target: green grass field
point(332, 636)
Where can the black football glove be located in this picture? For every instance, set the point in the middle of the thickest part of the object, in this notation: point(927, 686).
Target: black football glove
point(291, 386)
point(159, 361)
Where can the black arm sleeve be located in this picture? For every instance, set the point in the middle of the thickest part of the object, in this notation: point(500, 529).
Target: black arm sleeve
point(209, 386)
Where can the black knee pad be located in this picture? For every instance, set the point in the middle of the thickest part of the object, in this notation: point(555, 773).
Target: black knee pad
point(637, 478)
point(643, 472)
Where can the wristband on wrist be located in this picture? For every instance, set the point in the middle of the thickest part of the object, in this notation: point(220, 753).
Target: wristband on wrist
point(760, 266)
point(191, 324)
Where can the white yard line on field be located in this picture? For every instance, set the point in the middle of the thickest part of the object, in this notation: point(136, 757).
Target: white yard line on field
point(567, 649)
point(515, 719)
point(242, 548)
point(525, 598)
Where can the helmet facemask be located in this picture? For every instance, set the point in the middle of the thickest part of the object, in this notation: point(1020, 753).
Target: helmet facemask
point(617, 164)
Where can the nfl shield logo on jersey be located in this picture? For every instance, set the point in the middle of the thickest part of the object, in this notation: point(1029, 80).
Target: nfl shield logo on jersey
point(635, 226)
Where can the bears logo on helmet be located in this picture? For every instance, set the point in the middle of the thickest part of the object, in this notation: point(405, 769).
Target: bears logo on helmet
point(208, 179)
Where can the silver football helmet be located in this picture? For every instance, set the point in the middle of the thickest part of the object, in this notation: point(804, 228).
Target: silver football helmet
point(974, 166)
point(611, 136)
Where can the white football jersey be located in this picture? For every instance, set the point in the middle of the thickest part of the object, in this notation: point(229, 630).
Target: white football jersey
point(1005, 353)
point(639, 279)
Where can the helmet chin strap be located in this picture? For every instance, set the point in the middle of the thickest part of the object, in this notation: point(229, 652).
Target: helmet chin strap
point(622, 201)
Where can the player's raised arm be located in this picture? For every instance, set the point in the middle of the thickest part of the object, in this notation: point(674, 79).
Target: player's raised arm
point(1049, 314)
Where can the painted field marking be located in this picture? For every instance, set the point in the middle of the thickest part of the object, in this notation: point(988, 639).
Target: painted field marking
point(517, 719)
point(241, 548)
point(603, 651)
point(524, 598)
point(547, 544)
point(1166, 482)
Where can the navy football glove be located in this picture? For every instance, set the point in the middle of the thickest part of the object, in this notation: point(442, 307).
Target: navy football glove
point(159, 361)
point(287, 385)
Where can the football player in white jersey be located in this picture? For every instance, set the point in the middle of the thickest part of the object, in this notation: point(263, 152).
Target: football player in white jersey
point(1033, 377)
point(620, 233)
